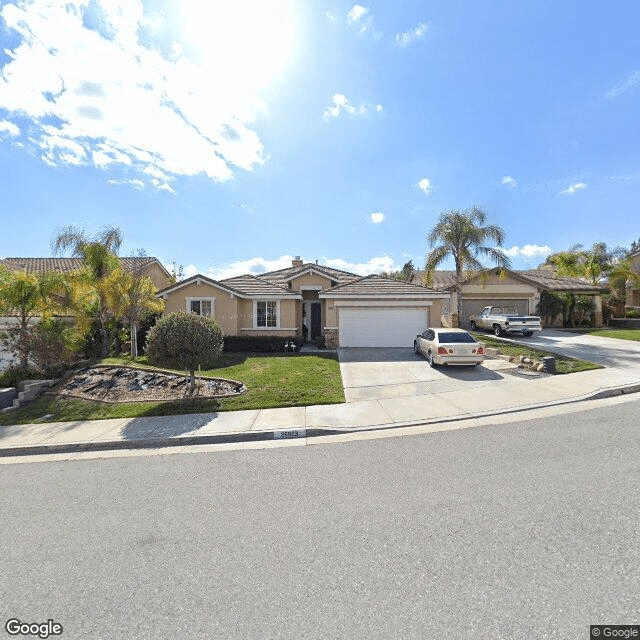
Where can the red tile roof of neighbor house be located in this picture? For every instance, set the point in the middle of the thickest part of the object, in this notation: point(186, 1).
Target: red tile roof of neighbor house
point(68, 265)
point(543, 278)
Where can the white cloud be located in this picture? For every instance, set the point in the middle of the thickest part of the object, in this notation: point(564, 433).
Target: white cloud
point(529, 251)
point(425, 185)
point(340, 104)
point(407, 37)
point(330, 16)
point(134, 182)
point(570, 190)
point(101, 83)
point(259, 265)
point(254, 266)
point(629, 83)
point(357, 12)
point(374, 265)
point(508, 181)
point(10, 128)
point(361, 18)
point(377, 217)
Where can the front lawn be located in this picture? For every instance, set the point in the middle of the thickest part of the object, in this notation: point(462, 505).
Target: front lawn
point(621, 334)
point(564, 364)
point(271, 381)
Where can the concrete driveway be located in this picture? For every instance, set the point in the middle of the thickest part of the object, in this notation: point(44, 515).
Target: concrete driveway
point(609, 352)
point(371, 374)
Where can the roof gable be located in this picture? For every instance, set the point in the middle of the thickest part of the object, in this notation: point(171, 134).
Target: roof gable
point(377, 286)
point(246, 286)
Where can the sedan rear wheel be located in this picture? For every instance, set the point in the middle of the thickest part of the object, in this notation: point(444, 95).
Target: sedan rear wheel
point(497, 330)
point(431, 361)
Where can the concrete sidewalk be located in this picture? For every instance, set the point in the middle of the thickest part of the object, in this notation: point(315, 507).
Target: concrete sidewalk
point(511, 394)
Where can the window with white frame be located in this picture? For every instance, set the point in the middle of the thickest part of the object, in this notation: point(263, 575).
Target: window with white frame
point(266, 313)
point(200, 306)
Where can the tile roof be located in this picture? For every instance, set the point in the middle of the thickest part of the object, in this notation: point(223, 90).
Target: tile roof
point(440, 280)
point(68, 265)
point(243, 286)
point(377, 285)
point(544, 278)
point(282, 276)
point(547, 280)
point(255, 286)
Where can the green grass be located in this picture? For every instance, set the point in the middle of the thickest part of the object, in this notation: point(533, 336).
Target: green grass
point(564, 364)
point(271, 381)
point(622, 334)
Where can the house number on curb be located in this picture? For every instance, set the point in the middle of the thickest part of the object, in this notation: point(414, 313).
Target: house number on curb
point(285, 434)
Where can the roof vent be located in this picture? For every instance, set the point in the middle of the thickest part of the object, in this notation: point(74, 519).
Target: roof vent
point(296, 262)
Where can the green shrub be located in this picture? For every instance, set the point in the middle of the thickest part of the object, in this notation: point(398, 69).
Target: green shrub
point(184, 341)
point(11, 376)
point(632, 313)
point(259, 344)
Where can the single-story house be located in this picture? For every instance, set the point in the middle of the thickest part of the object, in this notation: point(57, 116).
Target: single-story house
point(146, 265)
point(632, 288)
point(514, 288)
point(311, 300)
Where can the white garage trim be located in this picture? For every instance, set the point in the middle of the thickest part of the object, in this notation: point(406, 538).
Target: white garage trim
point(383, 303)
point(381, 326)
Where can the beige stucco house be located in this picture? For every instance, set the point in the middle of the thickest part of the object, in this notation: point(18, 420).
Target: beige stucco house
point(311, 300)
point(633, 288)
point(519, 289)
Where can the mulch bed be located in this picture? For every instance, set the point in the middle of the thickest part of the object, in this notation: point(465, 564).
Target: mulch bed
point(114, 384)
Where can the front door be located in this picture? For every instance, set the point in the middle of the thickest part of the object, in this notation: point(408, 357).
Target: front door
point(316, 322)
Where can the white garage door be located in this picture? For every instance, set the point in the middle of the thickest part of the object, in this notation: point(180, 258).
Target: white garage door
point(381, 327)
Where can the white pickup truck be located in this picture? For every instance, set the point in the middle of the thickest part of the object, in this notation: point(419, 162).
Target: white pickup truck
point(505, 320)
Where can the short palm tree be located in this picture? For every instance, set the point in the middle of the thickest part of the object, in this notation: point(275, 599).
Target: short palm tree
point(29, 295)
point(129, 294)
point(463, 236)
point(99, 254)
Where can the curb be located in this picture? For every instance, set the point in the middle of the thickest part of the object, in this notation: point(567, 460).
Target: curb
point(258, 436)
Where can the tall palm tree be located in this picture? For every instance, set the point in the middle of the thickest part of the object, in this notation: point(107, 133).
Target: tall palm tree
point(463, 236)
point(99, 254)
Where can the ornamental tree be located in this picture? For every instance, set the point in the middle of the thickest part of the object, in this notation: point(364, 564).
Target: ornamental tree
point(183, 341)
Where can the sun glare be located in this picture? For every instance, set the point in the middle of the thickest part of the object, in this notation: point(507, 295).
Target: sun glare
point(249, 40)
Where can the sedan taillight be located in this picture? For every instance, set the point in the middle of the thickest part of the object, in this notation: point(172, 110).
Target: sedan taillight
point(442, 350)
point(480, 350)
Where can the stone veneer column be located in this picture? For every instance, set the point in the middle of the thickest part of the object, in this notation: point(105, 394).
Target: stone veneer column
point(331, 338)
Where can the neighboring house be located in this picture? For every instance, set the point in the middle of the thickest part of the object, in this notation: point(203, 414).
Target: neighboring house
point(519, 289)
point(632, 288)
point(147, 266)
point(312, 300)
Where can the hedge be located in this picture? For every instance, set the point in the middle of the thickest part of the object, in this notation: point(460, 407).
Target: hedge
point(259, 344)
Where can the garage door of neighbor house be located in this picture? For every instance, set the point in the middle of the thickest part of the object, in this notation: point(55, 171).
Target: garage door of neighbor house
point(471, 306)
point(381, 326)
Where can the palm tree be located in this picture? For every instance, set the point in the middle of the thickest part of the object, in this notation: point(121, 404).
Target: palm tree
point(30, 295)
point(463, 236)
point(99, 254)
point(129, 294)
point(591, 264)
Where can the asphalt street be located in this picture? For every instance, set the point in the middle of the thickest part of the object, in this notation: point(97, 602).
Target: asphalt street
point(523, 530)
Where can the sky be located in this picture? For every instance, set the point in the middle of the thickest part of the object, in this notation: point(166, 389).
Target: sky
point(228, 137)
